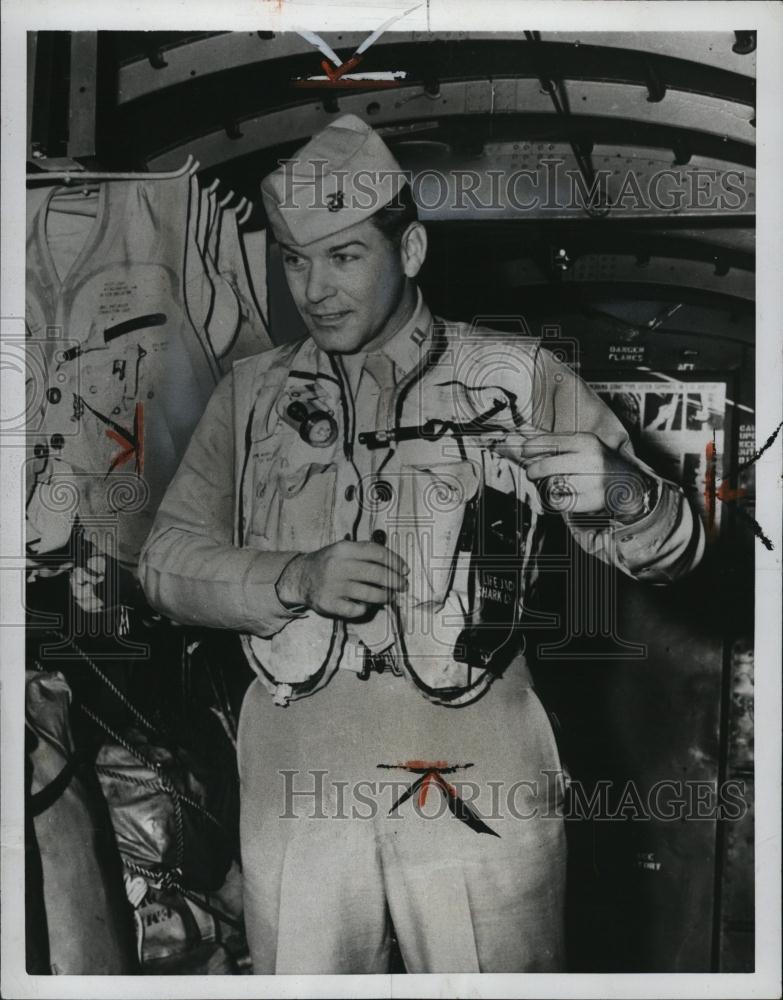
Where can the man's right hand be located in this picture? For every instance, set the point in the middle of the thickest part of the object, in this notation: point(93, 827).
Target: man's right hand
point(343, 580)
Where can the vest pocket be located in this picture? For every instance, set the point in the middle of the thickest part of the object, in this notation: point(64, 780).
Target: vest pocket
point(260, 502)
point(431, 506)
point(291, 501)
point(307, 502)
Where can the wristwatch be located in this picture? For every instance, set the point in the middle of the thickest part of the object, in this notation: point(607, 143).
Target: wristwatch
point(649, 501)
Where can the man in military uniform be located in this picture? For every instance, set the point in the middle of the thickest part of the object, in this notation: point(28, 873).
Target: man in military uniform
point(364, 507)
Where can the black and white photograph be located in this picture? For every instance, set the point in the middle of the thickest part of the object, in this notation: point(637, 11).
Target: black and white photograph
point(391, 483)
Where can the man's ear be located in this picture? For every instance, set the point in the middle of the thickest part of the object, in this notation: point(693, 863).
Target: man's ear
point(413, 249)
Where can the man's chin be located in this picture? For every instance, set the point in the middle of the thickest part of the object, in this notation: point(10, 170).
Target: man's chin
point(335, 340)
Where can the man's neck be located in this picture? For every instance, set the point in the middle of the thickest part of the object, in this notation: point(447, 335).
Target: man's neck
point(398, 321)
point(399, 318)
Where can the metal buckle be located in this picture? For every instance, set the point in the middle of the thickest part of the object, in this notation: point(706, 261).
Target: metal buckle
point(378, 663)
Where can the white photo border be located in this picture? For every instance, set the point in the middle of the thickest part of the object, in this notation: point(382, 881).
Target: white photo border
point(20, 16)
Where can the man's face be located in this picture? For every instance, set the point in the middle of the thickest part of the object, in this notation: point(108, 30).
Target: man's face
point(348, 287)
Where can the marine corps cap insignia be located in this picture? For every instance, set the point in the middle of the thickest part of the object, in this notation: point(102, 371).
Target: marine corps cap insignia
point(335, 201)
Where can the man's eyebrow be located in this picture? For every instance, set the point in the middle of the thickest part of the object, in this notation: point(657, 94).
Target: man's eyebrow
point(334, 249)
point(350, 243)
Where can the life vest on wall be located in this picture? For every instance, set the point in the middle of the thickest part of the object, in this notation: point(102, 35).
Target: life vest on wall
point(124, 349)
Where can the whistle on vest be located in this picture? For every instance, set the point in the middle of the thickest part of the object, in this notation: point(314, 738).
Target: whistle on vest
point(431, 430)
point(434, 429)
point(315, 425)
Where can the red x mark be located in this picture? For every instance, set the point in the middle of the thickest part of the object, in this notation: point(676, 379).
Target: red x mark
point(431, 773)
point(131, 444)
point(338, 71)
point(724, 492)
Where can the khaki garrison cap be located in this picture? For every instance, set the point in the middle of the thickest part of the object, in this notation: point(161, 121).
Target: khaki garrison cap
point(340, 177)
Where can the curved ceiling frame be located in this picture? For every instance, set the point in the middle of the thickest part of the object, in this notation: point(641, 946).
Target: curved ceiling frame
point(622, 269)
point(678, 110)
point(173, 64)
point(713, 313)
point(581, 239)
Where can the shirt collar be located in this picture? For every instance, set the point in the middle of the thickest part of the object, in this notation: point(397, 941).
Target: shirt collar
point(406, 346)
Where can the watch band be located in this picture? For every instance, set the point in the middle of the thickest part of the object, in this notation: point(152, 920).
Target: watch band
point(650, 499)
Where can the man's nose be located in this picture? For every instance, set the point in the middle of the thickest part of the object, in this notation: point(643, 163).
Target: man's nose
point(319, 286)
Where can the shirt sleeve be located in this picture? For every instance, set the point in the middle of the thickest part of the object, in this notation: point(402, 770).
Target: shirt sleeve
point(665, 543)
point(189, 567)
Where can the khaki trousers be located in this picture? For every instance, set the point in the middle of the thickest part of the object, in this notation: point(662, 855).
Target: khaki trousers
point(328, 871)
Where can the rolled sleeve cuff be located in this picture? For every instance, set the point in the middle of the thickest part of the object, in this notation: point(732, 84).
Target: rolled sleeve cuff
point(196, 581)
point(259, 590)
point(661, 544)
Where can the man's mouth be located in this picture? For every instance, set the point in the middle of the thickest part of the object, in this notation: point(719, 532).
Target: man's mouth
point(329, 318)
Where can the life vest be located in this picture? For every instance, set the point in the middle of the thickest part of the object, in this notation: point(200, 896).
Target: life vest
point(123, 353)
point(464, 519)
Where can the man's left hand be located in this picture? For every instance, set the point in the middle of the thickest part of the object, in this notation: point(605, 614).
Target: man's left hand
point(578, 474)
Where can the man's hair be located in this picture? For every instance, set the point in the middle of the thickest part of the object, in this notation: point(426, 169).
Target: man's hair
point(395, 217)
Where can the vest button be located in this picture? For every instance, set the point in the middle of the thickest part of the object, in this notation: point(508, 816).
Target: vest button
point(381, 493)
point(54, 395)
point(57, 441)
point(379, 536)
point(350, 492)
